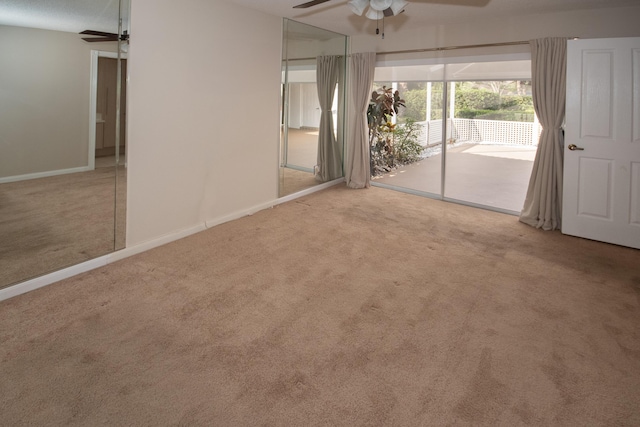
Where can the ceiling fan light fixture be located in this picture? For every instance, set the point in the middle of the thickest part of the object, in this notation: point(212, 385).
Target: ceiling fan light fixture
point(358, 6)
point(374, 14)
point(397, 6)
point(380, 5)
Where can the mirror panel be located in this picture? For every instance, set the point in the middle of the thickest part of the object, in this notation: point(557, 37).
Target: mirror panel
point(61, 197)
point(301, 111)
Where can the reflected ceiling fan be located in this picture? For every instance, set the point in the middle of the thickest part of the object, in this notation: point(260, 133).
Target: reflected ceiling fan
point(101, 36)
point(375, 9)
point(378, 9)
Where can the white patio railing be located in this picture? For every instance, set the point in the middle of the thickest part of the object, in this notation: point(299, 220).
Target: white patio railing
point(481, 131)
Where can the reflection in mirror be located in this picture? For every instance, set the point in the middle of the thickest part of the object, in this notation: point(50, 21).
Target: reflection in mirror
point(301, 113)
point(62, 144)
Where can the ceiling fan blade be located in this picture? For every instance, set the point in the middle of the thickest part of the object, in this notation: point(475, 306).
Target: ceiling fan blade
point(104, 37)
point(100, 39)
point(99, 33)
point(309, 4)
point(472, 3)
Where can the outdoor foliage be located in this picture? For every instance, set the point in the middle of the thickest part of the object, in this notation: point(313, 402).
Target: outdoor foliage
point(484, 104)
point(416, 106)
point(510, 116)
point(407, 148)
point(481, 100)
point(476, 99)
point(391, 144)
point(384, 103)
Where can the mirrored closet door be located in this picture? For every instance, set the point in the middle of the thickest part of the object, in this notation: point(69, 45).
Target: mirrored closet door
point(62, 134)
point(300, 163)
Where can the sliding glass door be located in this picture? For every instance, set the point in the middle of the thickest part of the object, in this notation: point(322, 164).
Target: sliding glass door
point(418, 139)
point(466, 133)
point(493, 143)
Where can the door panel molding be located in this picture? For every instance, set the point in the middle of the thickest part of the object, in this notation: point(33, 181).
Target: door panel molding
point(597, 94)
point(595, 186)
point(634, 215)
point(635, 117)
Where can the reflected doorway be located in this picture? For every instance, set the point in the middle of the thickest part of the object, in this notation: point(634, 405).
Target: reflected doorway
point(109, 145)
point(300, 148)
point(105, 146)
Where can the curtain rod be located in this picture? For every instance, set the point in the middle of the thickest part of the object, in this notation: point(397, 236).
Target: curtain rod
point(469, 46)
point(437, 49)
point(434, 49)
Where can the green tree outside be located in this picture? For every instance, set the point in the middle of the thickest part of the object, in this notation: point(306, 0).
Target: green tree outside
point(495, 100)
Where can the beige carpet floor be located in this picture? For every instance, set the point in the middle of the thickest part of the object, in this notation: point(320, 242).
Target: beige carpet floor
point(344, 307)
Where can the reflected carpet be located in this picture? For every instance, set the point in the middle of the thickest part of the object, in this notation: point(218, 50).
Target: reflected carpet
point(50, 223)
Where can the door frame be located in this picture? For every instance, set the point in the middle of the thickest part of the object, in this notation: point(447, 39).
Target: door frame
point(93, 100)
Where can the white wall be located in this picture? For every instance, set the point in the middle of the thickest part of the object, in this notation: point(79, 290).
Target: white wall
point(595, 23)
point(308, 48)
point(44, 101)
point(204, 95)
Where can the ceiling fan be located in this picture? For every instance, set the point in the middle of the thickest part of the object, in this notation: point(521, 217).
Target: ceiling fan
point(377, 9)
point(101, 36)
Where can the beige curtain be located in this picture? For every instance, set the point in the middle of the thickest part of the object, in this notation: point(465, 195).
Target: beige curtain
point(358, 173)
point(543, 204)
point(329, 154)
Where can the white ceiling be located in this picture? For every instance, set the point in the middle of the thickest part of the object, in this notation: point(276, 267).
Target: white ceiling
point(62, 15)
point(335, 15)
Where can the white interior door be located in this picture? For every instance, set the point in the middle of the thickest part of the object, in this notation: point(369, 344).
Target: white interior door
point(601, 194)
point(310, 105)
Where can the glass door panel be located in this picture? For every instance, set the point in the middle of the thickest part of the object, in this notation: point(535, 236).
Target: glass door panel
point(415, 161)
point(492, 145)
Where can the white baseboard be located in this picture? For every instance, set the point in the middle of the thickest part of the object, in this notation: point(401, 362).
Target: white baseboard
point(163, 240)
point(65, 273)
point(245, 212)
point(308, 191)
point(47, 279)
point(46, 174)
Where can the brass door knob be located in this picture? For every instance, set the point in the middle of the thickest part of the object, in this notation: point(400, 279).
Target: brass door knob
point(574, 147)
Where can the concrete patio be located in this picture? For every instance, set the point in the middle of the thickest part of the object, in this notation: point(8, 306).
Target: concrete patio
point(496, 176)
point(492, 175)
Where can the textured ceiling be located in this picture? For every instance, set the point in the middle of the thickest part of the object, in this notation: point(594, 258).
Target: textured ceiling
point(76, 15)
point(62, 15)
